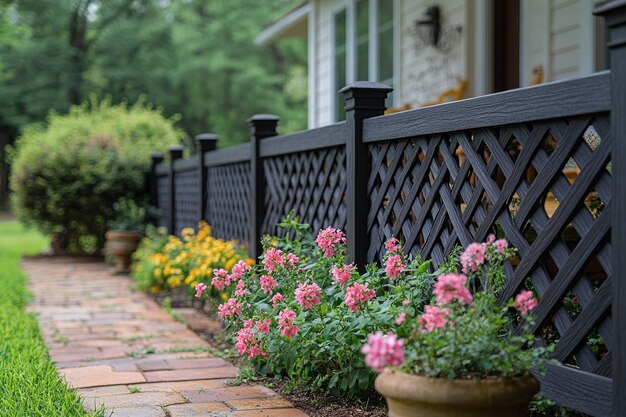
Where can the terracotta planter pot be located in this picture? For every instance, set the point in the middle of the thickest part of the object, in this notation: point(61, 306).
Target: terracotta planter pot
point(121, 244)
point(418, 396)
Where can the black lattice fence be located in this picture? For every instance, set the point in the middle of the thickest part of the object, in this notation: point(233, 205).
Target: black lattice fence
point(542, 166)
point(163, 193)
point(228, 202)
point(311, 184)
point(544, 186)
point(187, 200)
point(539, 177)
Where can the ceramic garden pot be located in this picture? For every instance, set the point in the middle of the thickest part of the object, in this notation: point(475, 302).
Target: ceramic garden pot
point(418, 396)
point(121, 244)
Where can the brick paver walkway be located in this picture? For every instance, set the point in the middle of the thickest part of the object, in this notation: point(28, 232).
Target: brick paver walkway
point(120, 349)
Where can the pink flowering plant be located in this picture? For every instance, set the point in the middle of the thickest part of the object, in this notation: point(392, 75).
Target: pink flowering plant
point(464, 332)
point(304, 311)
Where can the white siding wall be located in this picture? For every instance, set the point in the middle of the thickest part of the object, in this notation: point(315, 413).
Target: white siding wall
point(324, 62)
point(425, 71)
point(558, 35)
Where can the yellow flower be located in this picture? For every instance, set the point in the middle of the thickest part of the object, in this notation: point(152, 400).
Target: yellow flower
point(224, 296)
point(174, 281)
point(229, 264)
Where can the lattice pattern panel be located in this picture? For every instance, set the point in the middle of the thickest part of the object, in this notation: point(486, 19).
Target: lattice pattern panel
point(312, 184)
point(228, 202)
point(544, 186)
point(187, 184)
point(163, 194)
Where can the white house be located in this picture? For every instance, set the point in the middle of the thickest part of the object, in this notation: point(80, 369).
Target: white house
point(481, 46)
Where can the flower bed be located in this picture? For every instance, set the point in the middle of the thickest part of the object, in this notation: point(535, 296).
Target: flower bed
point(303, 312)
point(164, 262)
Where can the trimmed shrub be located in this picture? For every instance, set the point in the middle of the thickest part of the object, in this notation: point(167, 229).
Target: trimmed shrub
point(67, 174)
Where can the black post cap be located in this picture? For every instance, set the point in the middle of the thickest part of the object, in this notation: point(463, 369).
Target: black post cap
point(176, 151)
point(207, 141)
point(365, 95)
point(157, 157)
point(263, 125)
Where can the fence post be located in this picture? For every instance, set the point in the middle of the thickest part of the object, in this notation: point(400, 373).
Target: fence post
point(206, 142)
point(176, 152)
point(363, 99)
point(614, 14)
point(261, 126)
point(157, 158)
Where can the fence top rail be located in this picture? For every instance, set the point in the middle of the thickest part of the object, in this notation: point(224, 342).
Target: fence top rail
point(306, 140)
point(186, 164)
point(230, 155)
point(590, 94)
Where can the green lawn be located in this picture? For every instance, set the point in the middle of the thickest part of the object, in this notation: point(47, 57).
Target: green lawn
point(29, 385)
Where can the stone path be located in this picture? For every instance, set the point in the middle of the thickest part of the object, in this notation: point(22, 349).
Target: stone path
point(120, 349)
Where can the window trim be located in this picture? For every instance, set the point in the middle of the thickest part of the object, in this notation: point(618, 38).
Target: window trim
point(333, 56)
point(350, 7)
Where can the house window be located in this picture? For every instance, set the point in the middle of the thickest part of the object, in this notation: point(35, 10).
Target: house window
point(363, 45)
point(341, 58)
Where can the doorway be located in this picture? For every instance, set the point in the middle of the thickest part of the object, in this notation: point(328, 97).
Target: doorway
point(506, 44)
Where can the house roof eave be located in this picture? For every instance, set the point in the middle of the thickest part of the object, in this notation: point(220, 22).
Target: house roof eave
point(291, 24)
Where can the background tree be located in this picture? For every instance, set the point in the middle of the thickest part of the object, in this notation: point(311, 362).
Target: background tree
point(196, 58)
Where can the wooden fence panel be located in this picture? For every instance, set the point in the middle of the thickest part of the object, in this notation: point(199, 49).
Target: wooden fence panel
point(228, 200)
point(543, 185)
point(312, 184)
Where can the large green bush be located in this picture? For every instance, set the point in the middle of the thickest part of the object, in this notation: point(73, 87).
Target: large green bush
point(68, 173)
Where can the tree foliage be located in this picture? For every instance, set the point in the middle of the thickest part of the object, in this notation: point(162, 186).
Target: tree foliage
point(196, 58)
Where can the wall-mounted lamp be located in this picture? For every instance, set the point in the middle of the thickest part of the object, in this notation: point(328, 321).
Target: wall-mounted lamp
point(429, 27)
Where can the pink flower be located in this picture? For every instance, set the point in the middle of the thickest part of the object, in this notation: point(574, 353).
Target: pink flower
point(501, 245)
point(383, 350)
point(308, 295)
point(394, 266)
point(328, 238)
point(241, 290)
point(433, 318)
point(264, 326)
point(272, 259)
point(247, 343)
point(406, 302)
point(229, 308)
point(200, 288)
point(278, 298)
point(358, 294)
point(268, 284)
point(285, 323)
point(238, 270)
point(342, 274)
point(473, 257)
point(525, 301)
point(452, 287)
point(392, 245)
point(220, 279)
point(292, 259)
point(400, 319)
